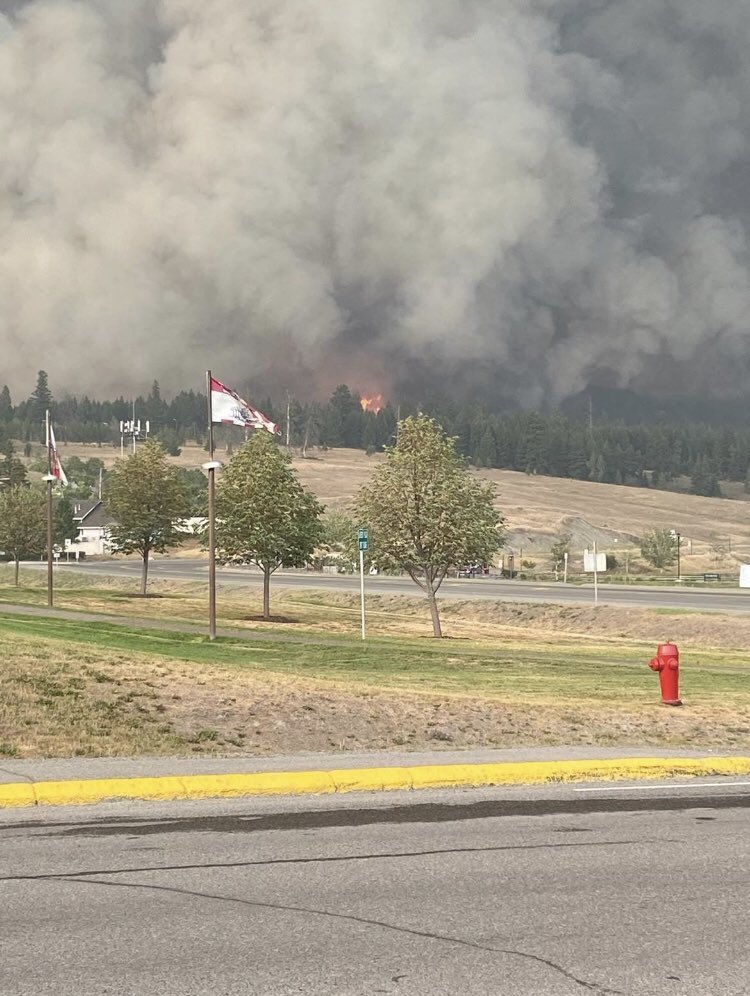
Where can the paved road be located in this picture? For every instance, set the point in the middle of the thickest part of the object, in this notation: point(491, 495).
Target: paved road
point(564, 891)
point(718, 600)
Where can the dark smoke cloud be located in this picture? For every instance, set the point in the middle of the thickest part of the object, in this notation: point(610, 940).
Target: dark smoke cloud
point(528, 193)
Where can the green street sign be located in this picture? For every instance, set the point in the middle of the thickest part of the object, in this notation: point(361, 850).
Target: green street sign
point(363, 539)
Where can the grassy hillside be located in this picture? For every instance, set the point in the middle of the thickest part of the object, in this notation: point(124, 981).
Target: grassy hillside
point(716, 532)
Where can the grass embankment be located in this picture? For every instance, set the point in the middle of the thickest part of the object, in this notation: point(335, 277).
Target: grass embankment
point(73, 687)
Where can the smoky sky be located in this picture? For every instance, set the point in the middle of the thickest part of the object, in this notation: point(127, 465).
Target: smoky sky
point(522, 195)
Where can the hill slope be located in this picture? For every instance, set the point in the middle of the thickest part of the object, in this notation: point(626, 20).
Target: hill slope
point(716, 532)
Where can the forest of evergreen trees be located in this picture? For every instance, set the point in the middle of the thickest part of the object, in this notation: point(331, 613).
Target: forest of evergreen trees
point(648, 455)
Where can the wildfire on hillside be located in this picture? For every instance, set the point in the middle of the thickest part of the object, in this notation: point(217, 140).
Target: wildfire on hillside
point(373, 404)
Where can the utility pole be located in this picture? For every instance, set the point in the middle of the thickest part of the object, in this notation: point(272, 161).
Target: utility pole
point(211, 467)
point(288, 411)
point(49, 479)
point(363, 542)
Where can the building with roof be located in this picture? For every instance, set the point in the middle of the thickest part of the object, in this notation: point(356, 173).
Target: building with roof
point(92, 521)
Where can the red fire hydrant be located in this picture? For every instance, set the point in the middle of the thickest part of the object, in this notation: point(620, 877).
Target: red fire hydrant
point(667, 663)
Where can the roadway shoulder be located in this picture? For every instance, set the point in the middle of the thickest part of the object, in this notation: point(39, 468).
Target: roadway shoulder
point(220, 784)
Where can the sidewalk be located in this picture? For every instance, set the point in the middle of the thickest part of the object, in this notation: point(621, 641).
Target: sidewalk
point(79, 780)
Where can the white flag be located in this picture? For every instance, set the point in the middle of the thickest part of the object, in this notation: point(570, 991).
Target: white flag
point(228, 408)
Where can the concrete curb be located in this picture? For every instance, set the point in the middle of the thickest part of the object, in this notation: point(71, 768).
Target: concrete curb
point(88, 791)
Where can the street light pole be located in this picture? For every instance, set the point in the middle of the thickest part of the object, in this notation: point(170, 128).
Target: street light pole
point(50, 480)
point(211, 467)
point(678, 558)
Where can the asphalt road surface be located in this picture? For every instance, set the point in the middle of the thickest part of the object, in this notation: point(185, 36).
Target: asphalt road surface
point(631, 596)
point(641, 890)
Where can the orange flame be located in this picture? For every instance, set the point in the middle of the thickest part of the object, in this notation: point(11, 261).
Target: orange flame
point(373, 404)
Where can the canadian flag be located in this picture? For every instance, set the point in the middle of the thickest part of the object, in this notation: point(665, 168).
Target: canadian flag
point(228, 408)
point(55, 467)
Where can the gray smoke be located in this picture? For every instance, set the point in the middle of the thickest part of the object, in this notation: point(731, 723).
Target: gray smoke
point(528, 193)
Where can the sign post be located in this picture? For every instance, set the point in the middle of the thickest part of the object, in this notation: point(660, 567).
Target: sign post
point(363, 542)
point(592, 564)
point(596, 576)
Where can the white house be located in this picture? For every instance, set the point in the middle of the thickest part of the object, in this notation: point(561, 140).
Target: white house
point(92, 521)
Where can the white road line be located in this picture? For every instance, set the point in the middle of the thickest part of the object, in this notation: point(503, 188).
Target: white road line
point(657, 788)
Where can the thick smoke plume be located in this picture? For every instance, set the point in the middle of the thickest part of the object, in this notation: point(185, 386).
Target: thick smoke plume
point(523, 194)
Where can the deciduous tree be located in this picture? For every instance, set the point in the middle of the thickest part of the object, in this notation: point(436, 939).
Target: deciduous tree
point(659, 548)
point(23, 523)
point(65, 525)
point(426, 511)
point(146, 497)
point(264, 515)
point(558, 551)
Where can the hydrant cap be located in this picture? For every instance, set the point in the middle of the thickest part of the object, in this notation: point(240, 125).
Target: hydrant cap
point(667, 650)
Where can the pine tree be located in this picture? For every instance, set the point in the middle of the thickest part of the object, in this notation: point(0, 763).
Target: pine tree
point(486, 453)
point(6, 405)
point(40, 403)
point(704, 480)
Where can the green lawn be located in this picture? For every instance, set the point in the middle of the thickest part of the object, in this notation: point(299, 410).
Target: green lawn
point(552, 674)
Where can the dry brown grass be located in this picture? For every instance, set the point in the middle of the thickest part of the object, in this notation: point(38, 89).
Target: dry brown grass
point(538, 507)
point(61, 700)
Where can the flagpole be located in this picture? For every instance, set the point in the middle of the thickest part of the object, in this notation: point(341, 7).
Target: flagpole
point(49, 478)
point(211, 468)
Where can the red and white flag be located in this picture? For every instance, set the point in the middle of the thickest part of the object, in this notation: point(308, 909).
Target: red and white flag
point(55, 467)
point(228, 408)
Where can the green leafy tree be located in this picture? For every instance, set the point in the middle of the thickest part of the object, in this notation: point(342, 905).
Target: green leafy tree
point(83, 475)
point(170, 440)
point(23, 523)
point(264, 515)
point(426, 511)
point(146, 497)
point(196, 493)
point(12, 470)
point(340, 537)
point(659, 548)
point(558, 550)
point(65, 525)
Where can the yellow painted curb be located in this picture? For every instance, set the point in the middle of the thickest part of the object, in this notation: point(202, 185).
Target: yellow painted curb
point(17, 794)
point(86, 791)
point(260, 783)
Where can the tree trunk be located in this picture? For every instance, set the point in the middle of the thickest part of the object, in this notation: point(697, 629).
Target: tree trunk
point(16, 572)
point(437, 631)
point(266, 592)
point(144, 573)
